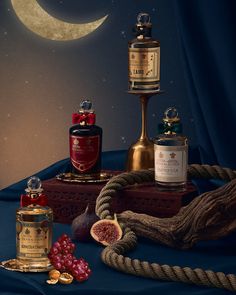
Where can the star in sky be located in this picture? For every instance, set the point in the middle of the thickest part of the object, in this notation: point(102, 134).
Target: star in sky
point(123, 34)
point(123, 139)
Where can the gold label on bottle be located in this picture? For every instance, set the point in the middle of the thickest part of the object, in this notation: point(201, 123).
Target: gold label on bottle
point(170, 163)
point(33, 239)
point(144, 64)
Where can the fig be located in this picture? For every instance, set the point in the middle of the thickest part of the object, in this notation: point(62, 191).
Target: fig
point(82, 224)
point(106, 231)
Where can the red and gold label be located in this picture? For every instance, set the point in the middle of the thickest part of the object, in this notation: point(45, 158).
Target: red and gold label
point(84, 151)
point(144, 64)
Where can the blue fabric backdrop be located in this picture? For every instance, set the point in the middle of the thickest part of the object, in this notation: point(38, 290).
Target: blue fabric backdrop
point(208, 38)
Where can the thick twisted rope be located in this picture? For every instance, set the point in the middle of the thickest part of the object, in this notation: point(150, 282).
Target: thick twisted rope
point(113, 255)
point(210, 172)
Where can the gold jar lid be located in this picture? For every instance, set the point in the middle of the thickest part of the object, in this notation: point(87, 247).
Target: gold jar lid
point(34, 210)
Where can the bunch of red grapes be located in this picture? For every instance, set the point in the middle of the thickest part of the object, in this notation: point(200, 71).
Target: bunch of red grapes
point(61, 257)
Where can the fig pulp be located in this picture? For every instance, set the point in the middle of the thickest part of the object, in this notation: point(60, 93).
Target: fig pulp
point(82, 224)
point(106, 231)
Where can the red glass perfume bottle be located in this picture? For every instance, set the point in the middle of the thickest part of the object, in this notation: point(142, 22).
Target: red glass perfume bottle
point(34, 193)
point(85, 143)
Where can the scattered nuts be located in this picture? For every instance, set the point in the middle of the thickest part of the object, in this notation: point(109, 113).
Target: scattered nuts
point(65, 278)
point(52, 281)
point(54, 274)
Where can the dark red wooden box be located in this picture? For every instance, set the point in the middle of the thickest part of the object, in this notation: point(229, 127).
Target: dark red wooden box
point(68, 200)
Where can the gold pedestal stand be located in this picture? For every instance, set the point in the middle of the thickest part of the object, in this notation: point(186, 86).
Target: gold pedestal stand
point(141, 153)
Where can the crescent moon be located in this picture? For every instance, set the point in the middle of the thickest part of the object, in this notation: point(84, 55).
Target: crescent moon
point(36, 19)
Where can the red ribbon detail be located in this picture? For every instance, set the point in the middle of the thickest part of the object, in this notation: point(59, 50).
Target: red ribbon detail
point(26, 200)
point(87, 118)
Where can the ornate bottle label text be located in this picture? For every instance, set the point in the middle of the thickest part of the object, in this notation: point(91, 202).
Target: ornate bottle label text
point(84, 151)
point(144, 64)
point(170, 163)
point(33, 239)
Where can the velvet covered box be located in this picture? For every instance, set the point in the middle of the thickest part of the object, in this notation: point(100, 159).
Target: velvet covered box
point(68, 200)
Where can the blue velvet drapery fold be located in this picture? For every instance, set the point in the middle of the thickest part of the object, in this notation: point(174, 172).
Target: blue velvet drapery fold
point(216, 255)
point(207, 31)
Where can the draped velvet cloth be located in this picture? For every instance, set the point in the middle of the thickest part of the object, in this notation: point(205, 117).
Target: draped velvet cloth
point(207, 31)
point(207, 34)
point(216, 255)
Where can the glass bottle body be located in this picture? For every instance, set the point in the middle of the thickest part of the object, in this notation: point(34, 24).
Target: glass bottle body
point(144, 65)
point(34, 237)
point(85, 150)
point(171, 158)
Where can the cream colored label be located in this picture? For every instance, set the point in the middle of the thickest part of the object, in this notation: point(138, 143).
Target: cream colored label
point(144, 64)
point(33, 240)
point(170, 163)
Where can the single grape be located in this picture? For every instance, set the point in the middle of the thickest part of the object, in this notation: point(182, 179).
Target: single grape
point(68, 263)
point(54, 251)
point(69, 256)
point(57, 245)
point(56, 259)
point(64, 237)
point(58, 265)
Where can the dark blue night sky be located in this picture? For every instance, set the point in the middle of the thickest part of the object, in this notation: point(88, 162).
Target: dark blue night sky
point(43, 81)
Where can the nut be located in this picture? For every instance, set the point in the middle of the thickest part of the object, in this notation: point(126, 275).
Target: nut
point(54, 274)
point(65, 278)
point(52, 281)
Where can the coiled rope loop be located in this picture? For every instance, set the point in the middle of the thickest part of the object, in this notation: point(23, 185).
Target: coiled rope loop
point(113, 255)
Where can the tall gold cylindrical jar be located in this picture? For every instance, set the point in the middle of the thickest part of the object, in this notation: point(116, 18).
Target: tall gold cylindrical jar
point(34, 223)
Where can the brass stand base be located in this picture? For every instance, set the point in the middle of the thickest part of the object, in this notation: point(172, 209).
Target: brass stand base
point(140, 155)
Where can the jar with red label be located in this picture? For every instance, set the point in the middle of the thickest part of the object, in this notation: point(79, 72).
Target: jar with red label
point(85, 143)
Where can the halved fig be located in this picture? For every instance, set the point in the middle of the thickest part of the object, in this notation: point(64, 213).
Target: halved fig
point(106, 231)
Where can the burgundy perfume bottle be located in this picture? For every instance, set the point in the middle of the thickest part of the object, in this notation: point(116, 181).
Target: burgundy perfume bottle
point(85, 143)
